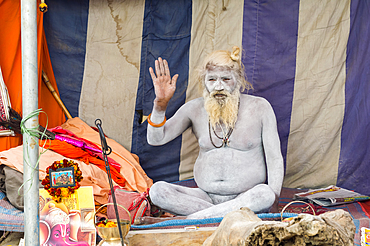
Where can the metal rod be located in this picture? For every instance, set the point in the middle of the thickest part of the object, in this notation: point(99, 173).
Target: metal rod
point(30, 104)
point(106, 150)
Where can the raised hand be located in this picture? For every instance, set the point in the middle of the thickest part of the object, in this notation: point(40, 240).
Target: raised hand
point(164, 85)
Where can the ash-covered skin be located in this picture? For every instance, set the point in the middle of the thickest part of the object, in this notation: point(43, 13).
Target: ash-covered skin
point(228, 177)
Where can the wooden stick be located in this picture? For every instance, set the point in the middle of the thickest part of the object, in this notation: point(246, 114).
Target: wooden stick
point(55, 94)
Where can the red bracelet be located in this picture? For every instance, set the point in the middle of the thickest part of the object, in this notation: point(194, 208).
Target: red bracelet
point(156, 125)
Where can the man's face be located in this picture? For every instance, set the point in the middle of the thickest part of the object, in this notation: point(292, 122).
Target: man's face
point(219, 79)
point(221, 96)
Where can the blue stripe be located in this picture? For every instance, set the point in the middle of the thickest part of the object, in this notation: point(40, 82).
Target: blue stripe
point(187, 222)
point(353, 170)
point(166, 34)
point(270, 31)
point(11, 211)
point(66, 27)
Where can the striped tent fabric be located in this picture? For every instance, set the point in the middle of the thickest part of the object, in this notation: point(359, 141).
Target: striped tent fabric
point(309, 58)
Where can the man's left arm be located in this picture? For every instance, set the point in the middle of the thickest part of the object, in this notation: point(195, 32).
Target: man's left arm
point(271, 146)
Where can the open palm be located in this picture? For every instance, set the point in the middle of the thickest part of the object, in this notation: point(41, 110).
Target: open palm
point(164, 85)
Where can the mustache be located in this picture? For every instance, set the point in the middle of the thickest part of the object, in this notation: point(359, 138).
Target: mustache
point(223, 92)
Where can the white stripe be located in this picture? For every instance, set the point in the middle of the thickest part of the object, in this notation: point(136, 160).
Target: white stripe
point(212, 29)
point(112, 66)
point(318, 101)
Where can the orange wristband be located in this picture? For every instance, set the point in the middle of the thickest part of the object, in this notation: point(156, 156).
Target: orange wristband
point(156, 125)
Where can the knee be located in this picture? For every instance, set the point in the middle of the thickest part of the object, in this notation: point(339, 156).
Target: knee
point(158, 192)
point(267, 192)
point(265, 195)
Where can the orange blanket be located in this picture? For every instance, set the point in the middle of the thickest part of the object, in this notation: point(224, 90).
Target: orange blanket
point(131, 171)
point(72, 152)
point(136, 178)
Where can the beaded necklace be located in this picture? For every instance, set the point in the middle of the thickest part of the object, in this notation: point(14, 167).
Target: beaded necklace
point(226, 138)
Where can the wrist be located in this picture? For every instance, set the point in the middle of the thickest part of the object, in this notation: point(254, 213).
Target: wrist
point(154, 124)
point(160, 105)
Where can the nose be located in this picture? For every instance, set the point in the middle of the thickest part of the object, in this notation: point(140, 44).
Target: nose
point(219, 86)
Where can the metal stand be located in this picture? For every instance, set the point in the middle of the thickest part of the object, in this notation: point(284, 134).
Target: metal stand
point(106, 150)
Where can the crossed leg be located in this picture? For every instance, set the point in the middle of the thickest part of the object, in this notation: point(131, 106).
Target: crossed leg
point(178, 199)
point(197, 204)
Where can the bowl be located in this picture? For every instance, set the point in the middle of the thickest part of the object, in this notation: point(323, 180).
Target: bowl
point(112, 233)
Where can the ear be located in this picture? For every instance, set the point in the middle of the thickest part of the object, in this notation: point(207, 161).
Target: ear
point(44, 232)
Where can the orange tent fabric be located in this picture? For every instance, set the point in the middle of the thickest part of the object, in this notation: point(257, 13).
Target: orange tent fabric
point(11, 66)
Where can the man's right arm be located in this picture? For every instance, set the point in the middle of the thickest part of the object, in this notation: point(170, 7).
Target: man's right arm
point(159, 131)
point(172, 128)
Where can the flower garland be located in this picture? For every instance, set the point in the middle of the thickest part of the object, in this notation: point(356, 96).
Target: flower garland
point(107, 224)
point(58, 193)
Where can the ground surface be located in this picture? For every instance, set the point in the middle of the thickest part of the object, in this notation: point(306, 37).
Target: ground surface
point(12, 239)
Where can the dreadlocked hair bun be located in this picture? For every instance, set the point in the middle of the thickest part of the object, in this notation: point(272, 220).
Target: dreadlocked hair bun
point(235, 54)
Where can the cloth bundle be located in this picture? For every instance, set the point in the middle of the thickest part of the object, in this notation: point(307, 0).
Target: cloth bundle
point(243, 227)
point(136, 203)
point(131, 174)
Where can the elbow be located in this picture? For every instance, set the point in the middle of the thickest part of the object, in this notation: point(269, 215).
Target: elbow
point(153, 140)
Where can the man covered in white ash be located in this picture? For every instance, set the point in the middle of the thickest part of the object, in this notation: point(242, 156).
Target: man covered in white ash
point(237, 136)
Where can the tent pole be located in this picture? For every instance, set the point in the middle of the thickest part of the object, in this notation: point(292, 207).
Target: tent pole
point(30, 104)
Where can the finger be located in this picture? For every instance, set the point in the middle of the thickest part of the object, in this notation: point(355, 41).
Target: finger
point(152, 74)
point(161, 66)
point(166, 68)
point(174, 80)
point(157, 70)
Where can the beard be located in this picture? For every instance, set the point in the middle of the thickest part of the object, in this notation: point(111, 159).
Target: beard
point(222, 109)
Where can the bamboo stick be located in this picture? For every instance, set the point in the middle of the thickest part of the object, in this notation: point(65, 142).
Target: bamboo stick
point(55, 94)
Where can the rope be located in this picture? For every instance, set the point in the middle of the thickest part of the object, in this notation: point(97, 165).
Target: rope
point(186, 222)
point(34, 134)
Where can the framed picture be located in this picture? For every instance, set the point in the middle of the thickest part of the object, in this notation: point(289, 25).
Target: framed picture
point(62, 177)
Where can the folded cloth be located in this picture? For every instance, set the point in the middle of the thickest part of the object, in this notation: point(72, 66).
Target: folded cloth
point(135, 177)
point(73, 152)
point(10, 182)
point(92, 175)
point(66, 134)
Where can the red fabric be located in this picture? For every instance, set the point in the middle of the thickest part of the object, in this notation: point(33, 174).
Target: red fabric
point(66, 133)
point(11, 66)
point(136, 203)
point(365, 207)
point(73, 152)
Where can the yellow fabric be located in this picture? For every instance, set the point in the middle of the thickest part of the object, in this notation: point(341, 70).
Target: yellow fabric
point(112, 66)
point(318, 100)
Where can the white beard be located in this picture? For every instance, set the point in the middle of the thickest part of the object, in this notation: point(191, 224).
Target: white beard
point(222, 110)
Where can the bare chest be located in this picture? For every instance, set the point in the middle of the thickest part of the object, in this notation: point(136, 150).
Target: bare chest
point(246, 135)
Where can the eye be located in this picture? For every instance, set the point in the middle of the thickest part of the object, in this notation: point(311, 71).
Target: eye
point(211, 79)
point(226, 79)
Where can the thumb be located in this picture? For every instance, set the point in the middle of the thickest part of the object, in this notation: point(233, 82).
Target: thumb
point(174, 79)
